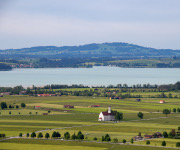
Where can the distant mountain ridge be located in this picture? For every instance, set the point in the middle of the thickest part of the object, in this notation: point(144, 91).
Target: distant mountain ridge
point(118, 49)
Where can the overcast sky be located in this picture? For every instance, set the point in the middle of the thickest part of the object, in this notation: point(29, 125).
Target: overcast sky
point(151, 23)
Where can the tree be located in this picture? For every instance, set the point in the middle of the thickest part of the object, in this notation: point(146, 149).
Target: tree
point(155, 135)
point(178, 144)
point(17, 106)
point(80, 136)
point(54, 134)
point(174, 110)
point(33, 135)
point(124, 141)
point(115, 140)
point(103, 139)
point(23, 105)
point(95, 138)
point(27, 135)
point(163, 143)
point(178, 110)
point(58, 135)
point(2, 135)
point(140, 115)
point(118, 116)
point(147, 142)
point(170, 135)
point(47, 135)
point(132, 141)
point(67, 135)
point(40, 135)
point(49, 111)
point(73, 137)
point(20, 134)
point(165, 134)
point(170, 95)
point(10, 112)
point(3, 105)
point(107, 138)
point(166, 112)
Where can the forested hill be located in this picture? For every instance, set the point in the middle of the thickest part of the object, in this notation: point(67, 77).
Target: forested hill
point(4, 67)
point(119, 50)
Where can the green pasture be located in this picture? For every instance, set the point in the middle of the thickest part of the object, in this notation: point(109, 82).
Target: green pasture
point(85, 118)
point(158, 142)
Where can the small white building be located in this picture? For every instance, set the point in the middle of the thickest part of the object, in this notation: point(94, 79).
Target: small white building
point(106, 116)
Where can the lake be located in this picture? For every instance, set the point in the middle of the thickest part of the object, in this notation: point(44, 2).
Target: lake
point(89, 76)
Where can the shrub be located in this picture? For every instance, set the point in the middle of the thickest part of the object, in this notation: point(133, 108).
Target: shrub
point(124, 141)
point(147, 142)
point(23, 105)
point(115, 140)
point(163, 143)
point(95, 138)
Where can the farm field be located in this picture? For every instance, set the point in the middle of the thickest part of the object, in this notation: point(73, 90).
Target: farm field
point(85, 119)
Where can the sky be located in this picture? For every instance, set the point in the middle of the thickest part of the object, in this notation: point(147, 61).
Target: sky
point(150, 23)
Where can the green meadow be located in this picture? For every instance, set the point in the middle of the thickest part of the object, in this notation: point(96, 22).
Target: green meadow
point(85, 118)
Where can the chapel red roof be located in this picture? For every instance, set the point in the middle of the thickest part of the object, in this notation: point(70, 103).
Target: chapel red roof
point(107, 114)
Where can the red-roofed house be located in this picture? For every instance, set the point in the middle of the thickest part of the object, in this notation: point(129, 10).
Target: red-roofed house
point(162, 101)
point(37, 107)
point(106, 116)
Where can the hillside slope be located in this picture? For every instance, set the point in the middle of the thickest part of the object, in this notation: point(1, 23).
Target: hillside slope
point(120, 50)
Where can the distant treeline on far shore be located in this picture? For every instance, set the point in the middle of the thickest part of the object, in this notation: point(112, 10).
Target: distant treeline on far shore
point(56, 89)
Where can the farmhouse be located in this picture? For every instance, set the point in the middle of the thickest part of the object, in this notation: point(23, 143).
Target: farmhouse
point(37, 107)
point(148, 136)
point(162, 101)
point(6, 93)
point(45, 114)
point(94, 106)
point(44, 95)
point(22, 93)
point(68, 106)
point(106, 116)
point(159, 135)
point(114, 98)
point(136, 138)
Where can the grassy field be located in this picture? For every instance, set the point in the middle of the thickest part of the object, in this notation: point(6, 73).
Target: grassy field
point(20, 144)
point(84, 118)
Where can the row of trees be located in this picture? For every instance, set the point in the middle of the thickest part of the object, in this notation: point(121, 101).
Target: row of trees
point(80, 136)
point(5, 106)
point(67, 136)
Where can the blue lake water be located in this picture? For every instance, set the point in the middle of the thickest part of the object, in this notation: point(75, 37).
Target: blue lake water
point(89, 76)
